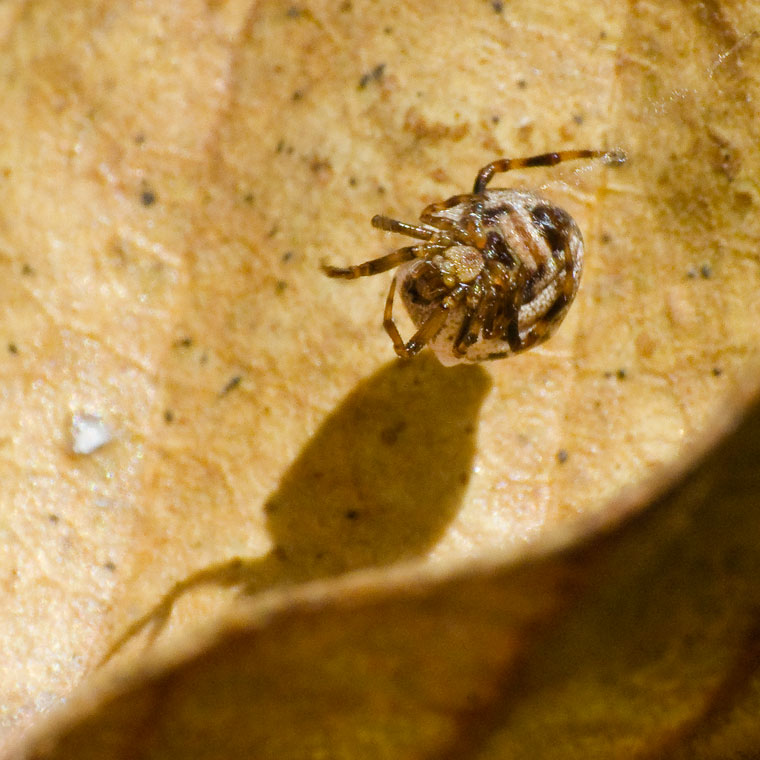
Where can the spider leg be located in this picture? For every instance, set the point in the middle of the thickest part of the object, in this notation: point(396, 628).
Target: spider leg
point(424, 334)
point(394, 225)
point(544, 159)
point(388, 324)
point(511, 311)
point(512, 333)
point(540, 331)
point(382, 264)
point(472, 325)
point(472, 234)
point(489, 314)
point(536, 335)
point(474, 226)
point(463, 332)
point(435, 208)
point(427, 331)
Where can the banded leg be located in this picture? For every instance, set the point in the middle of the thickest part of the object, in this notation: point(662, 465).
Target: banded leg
point(424, 334)
point(471, 234)
point(504, 297)
point(394, 225)
point(549, 320)
point(435, 208)
point(544, 159)
point(382, 264)
point(537, 334)
point(512, 332)
point(565, 285)
point(511, 311)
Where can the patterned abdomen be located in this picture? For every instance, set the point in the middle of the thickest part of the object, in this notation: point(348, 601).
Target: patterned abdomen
point(532, 260)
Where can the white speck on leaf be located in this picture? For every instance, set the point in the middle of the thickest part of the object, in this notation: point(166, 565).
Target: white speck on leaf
point(88, 433)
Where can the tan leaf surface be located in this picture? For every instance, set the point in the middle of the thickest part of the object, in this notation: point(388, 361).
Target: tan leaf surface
point(172, 175)
point(561, 656)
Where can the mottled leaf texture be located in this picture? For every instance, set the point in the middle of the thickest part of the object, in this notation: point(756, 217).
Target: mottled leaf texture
point(232, 524)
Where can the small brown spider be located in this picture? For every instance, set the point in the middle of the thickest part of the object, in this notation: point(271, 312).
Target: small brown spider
point(496, 274)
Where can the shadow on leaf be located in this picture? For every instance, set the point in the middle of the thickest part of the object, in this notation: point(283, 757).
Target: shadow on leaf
point(377, 483)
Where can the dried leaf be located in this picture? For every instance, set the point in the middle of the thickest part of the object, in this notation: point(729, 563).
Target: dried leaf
point(640, 643)
point(171, 181)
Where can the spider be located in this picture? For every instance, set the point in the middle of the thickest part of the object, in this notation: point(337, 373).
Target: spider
point(496, 274)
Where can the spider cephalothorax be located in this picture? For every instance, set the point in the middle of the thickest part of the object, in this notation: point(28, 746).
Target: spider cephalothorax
point(496, 274)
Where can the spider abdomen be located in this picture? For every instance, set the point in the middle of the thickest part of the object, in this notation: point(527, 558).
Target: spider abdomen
point(532, 258)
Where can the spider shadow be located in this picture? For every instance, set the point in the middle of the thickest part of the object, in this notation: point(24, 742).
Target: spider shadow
point(377, 483)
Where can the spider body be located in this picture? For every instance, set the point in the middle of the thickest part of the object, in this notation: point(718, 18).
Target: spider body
point(496, 274)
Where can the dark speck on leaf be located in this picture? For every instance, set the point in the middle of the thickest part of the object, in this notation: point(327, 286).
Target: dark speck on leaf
point(231, 385)
point(168, 416)
point(281, 286)
point(621, 374)
point(352, 514)
point(706, 271)
point(562, 456)
point(717, 371)
point(372, 76)
point(147, 197)
point(27, 270)
point(497, 5)
point(12, 348)
point(53, 518)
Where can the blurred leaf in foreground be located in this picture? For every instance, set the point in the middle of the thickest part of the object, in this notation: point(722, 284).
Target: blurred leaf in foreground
point(643, 643)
